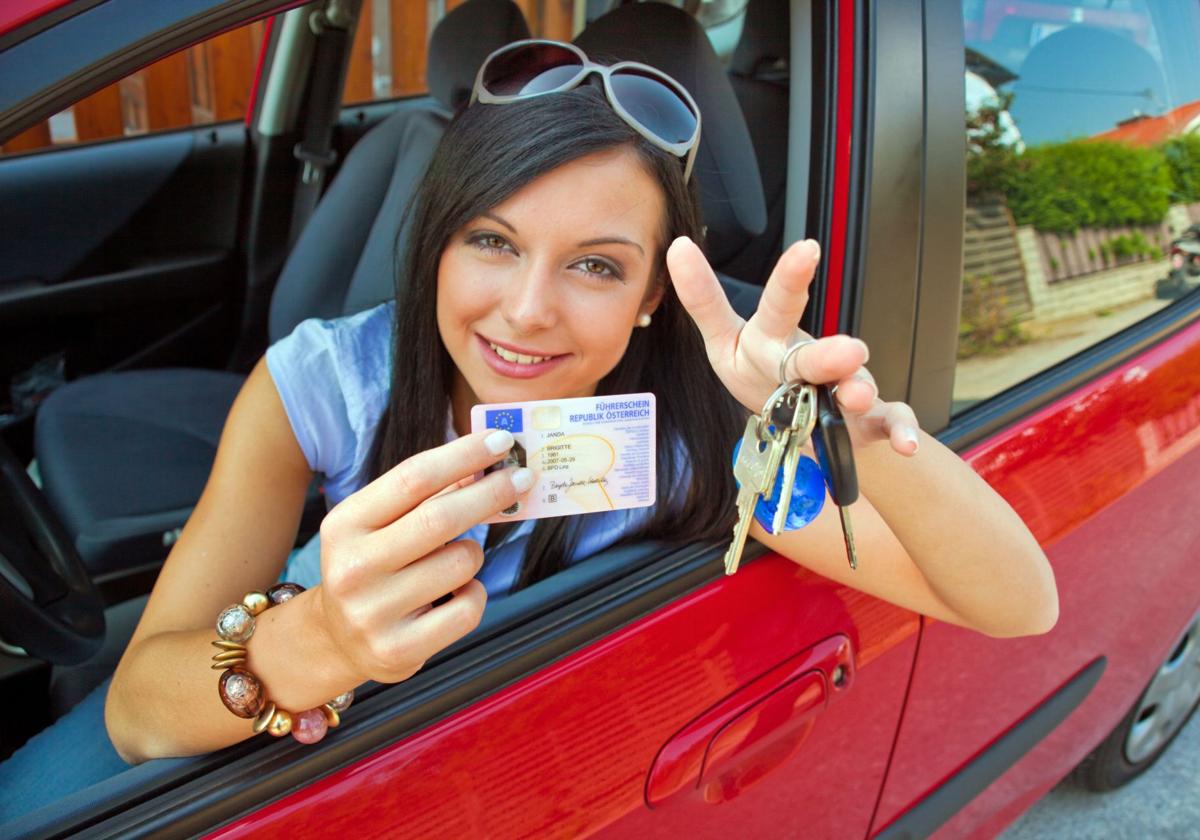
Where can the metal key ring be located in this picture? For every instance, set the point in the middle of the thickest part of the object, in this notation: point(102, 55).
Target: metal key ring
point(781, 392)
point(787, 355)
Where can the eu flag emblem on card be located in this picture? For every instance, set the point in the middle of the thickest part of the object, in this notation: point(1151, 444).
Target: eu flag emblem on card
point(508, 419)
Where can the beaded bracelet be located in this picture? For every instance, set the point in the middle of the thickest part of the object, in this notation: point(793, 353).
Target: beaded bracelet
point(243, 693)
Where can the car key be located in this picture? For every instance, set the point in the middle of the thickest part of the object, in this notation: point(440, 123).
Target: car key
point(831, 440)
point(802, 398)
point(757, 461)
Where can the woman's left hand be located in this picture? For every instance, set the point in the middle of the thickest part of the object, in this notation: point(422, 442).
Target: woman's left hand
point(746, 354)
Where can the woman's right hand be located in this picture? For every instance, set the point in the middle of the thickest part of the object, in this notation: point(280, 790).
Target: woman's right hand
point(387, 554)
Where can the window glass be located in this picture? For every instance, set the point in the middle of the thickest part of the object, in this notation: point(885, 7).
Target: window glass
point(1083, 178)
point(207, 83)
point(389, 51)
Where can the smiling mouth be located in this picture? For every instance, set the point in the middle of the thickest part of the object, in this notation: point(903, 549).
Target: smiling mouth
point(517, 358)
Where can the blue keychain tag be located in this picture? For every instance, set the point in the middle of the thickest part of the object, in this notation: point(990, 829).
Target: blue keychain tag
point(808, 495)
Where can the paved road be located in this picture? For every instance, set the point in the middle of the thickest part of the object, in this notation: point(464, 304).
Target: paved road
point(1161, 804)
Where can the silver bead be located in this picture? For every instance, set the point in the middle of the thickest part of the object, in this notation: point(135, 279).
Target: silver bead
point(342, 701)
point(235, 623)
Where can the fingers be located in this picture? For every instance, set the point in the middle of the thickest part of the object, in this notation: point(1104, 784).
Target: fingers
point(408, 484)
point(902, 428)
point(446, 623)
point(828, 360)
point(403, 648)
point(701, 294)
point(440, 519)
point(413, 589)
point(786, 293)
point(857, 393)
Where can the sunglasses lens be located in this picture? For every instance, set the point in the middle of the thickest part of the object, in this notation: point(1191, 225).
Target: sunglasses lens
point(655, 105)
point(535, 68)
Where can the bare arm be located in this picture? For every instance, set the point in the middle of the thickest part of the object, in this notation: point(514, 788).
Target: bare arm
point(386, 555)
point(163, 699)
point(932, 535)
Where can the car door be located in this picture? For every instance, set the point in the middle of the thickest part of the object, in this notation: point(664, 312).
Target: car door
point(121, 216)
point(640, 693)
point(1074, 387)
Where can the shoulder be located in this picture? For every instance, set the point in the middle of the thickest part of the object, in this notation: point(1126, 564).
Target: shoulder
point(333, 376)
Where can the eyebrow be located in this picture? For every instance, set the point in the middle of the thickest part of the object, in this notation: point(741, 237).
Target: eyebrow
point(603, 240)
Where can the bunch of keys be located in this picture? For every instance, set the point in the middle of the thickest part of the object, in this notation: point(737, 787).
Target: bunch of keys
point(796, 412)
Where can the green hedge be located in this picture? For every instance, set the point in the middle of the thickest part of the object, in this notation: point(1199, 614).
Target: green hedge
point(1061, 187)
point(1183, 160)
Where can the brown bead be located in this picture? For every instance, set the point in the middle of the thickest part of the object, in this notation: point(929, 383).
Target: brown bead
point(281, 592)
point(241, 692)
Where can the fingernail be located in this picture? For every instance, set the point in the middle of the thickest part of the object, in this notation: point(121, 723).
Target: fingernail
point(522, 479)
point(910, 434)
point(498, 442)
point(816, 247)
point(866, 350)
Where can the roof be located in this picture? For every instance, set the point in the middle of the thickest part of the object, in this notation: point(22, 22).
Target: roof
point(1150, 131)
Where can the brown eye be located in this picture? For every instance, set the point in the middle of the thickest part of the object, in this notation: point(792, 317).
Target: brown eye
point(489, 243)
point(595, 267)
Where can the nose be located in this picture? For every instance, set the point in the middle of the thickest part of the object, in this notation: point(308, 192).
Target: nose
point(530, 301)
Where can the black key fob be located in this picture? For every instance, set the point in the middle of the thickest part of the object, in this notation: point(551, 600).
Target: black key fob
point(831, 440)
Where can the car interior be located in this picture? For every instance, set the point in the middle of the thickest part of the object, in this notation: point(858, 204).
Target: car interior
point(120, 452)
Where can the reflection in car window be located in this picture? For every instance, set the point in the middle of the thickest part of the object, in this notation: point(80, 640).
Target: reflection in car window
point(207, 83)
point(387, 58)
point(1083, 178)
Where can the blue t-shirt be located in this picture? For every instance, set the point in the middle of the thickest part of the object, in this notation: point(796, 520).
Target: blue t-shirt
point(333, 378)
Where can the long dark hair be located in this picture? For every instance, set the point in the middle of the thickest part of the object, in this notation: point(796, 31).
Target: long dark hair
point(488, 153)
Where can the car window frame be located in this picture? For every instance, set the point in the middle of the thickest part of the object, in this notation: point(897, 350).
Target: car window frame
point(936, 288)
point(200, 794)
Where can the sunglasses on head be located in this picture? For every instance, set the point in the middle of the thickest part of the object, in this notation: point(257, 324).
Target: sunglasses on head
point(655, 105)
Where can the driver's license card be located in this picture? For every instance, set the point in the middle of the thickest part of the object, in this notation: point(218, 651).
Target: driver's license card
point(588, 454)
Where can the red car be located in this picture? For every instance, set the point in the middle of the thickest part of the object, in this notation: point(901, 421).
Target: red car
point(148, 250)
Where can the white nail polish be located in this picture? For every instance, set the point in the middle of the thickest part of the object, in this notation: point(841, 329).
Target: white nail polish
point(910, 434)
point(522, 479)
point(498, 442)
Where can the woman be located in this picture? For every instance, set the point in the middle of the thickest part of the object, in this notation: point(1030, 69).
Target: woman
point(553, 254)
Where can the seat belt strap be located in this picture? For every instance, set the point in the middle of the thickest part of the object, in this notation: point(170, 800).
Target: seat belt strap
point(314, 150)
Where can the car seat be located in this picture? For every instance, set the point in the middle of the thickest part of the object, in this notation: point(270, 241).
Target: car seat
point(124, 457)
point(760, 74)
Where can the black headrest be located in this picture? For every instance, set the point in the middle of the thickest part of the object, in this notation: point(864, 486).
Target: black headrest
point(462, 40)
point(764, 43)
point(726, 168)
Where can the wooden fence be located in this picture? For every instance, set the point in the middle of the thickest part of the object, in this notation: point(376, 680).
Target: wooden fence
point(1095, 249)
point(211, 82)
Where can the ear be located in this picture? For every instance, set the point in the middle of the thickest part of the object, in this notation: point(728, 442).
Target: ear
point(654, 294)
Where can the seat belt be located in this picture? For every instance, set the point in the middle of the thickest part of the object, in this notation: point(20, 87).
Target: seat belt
point(314, 151)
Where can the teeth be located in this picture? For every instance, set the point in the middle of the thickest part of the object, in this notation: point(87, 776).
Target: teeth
point(518, 358)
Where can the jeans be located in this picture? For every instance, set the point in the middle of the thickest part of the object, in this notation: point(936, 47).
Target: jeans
point(72, 754)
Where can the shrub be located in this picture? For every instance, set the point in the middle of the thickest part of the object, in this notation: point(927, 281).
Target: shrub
point(986, 326)
point(1182, 155)
point(1061, 187)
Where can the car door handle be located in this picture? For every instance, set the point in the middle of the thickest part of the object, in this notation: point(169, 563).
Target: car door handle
point(754, 730)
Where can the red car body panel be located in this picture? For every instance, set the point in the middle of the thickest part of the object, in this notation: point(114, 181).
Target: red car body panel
point(835, 259)
point(1082, 473)
point(15, 13)
point(568, 751)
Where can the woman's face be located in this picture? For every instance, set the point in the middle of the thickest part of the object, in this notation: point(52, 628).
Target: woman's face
point(538, 297)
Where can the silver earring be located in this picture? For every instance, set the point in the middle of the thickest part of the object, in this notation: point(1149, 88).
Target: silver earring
point(643, 320)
